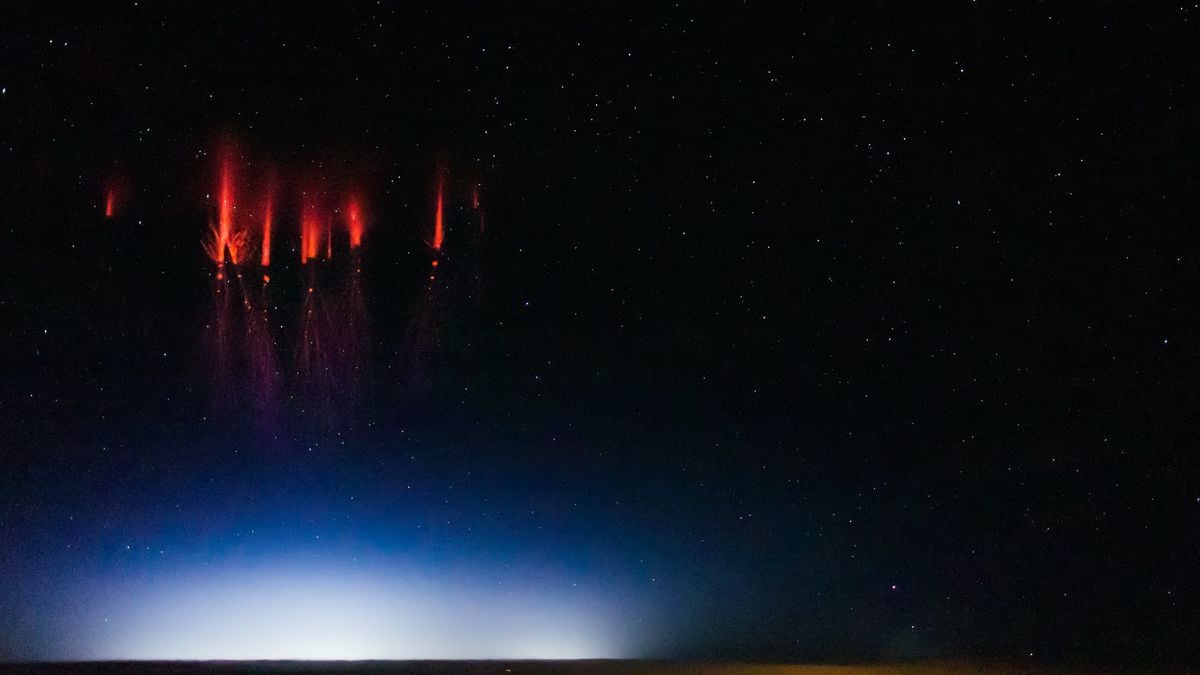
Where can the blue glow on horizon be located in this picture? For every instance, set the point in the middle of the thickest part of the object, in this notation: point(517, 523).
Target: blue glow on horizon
point(314, 612)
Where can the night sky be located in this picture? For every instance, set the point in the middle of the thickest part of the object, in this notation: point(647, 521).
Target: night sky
point(778, 333)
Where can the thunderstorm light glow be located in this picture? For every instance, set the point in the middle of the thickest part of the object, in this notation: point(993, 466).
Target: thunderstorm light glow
point(321, 614)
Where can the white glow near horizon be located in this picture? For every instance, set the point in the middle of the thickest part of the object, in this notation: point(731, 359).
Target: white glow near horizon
point(332, 616)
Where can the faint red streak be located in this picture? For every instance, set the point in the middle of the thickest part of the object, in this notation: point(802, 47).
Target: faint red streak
point(354, 222)
point(225, 206)
point(310, 232)
point(226, 242)
point(439, 231)
point(268, 217)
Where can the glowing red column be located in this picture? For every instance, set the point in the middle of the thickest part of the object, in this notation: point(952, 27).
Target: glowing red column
point(354, 223)
point(310, 231)
point(225, 207)
point(268, 216)
point(439, 231)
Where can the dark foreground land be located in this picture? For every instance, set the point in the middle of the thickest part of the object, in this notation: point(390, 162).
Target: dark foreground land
point(546, 668)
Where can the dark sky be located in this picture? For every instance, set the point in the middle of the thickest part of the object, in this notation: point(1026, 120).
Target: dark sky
point(790, 333)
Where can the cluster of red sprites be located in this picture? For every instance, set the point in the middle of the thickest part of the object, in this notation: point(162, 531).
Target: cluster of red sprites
point(236, 240)
point(238, 236)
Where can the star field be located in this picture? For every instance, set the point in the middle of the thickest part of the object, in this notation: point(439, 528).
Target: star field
point(793, 333)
